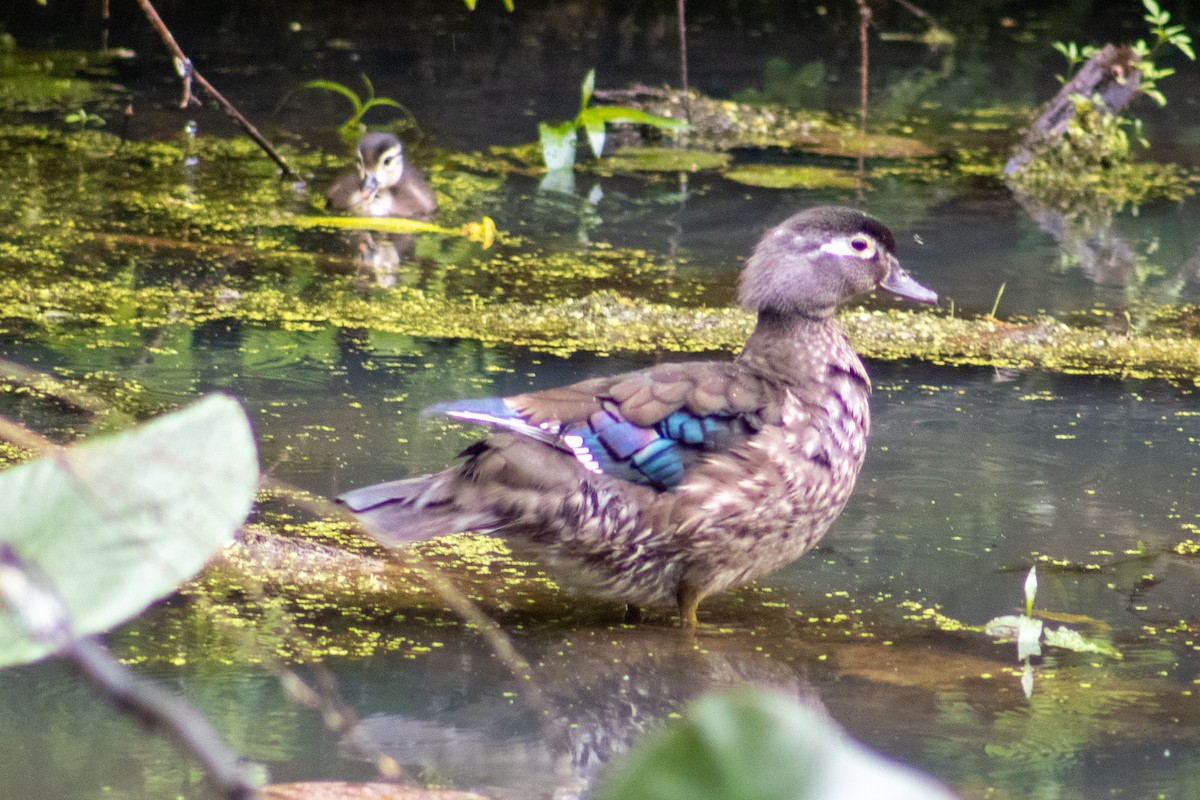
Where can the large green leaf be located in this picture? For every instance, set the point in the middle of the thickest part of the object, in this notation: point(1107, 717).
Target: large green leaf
point(625, 114)
point(754, 745)
point(342, 89)
point(585, 90)
point(558, 145)
point(116, 523)
point(595, 135)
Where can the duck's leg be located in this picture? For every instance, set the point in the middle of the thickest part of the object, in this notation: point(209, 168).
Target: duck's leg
point(633, 614)
point(688, 598)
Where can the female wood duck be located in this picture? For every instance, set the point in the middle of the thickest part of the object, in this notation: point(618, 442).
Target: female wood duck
point(666, 485)
point(386, 185)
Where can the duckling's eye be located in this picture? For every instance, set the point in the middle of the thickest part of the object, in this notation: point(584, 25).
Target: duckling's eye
point(387, 160)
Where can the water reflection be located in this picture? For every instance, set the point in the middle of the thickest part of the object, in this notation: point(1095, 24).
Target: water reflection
point(1093, 242)
point(602, 689)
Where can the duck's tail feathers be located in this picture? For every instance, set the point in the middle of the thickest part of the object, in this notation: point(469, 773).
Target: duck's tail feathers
point(413, 509)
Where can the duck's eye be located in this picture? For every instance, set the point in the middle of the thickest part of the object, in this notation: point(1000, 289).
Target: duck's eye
point(387, 160)
point(862, 244)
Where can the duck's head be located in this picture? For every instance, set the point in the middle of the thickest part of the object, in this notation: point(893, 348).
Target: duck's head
point(812, 262)
point(380, 163)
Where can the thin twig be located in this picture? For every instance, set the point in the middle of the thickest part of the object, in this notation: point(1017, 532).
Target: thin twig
point(919, 13)
point(189, 73)
point(683, 63)
point(29, 440)
point(63, 390)
point(39, 609)
point(864, 17)
point(451, 595)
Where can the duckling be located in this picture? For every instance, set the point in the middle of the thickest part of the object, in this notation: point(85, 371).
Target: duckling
point(386, 184)
point(664, 486)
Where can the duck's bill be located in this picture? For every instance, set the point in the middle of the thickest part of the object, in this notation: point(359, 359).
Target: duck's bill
point(900, 283)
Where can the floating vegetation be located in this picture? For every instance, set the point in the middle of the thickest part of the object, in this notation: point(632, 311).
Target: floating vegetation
point(725, 124)
point(603, 322)
point(483, 231)
point(46, 80)
point(1090, 169)
point(664, 159)
point(777, 176)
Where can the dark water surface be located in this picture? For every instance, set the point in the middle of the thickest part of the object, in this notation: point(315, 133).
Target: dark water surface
point(973, 475)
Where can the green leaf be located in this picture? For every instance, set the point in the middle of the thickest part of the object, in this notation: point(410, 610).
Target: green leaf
point(379, 224)
point(586, 89)
point(1003, 628)
point(1031, 586)
point(754, 745)
point(1029, 635)
point(367, 82)
point(382, 101)
point(595, 135)
point(624, 114)
point(117, 523)
point(344, 91)
point(787, 176)
point(1069, 639)
point(558, 145)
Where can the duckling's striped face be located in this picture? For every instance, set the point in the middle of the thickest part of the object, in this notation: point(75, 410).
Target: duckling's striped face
point(811, 263)
point(380, 163)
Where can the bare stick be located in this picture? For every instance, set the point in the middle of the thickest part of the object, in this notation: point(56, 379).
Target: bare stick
point(189, 74)
point(687, 103)
point(917, 12)
point(864, 17)
point(37, 607)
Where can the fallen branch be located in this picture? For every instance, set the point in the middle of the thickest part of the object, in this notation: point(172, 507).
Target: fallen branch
point(37, 608)
point(1110, 75)
point(189, 74)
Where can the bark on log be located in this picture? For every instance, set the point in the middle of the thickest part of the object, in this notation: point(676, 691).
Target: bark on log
point(1111, 75)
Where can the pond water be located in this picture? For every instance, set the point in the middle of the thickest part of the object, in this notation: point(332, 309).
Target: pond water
point(973, 474)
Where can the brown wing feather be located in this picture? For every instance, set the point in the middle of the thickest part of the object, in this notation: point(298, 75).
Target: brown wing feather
point(647, 396)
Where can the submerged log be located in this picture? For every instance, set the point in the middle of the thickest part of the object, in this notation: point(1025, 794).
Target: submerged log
point(1110, 75)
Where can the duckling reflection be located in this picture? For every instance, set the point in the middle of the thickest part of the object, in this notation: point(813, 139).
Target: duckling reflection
point(602, 689)
point(386, 184)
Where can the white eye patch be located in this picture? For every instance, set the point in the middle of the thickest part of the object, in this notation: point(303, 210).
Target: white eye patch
point(391, 159)
point(860, 245)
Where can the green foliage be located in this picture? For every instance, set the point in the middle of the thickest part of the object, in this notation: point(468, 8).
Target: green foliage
point(45, 81)
point(1030, 633)
point(508, 4)
point(791, 176)
point(1089, 170)
point(753, 745)
point(665, 159)
point(1165, 35)
point(354, 127)
point(558, 141)
point(115, 524)
point(83, 119)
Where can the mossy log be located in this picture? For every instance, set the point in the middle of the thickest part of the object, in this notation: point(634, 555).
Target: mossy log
point(1110, 75)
